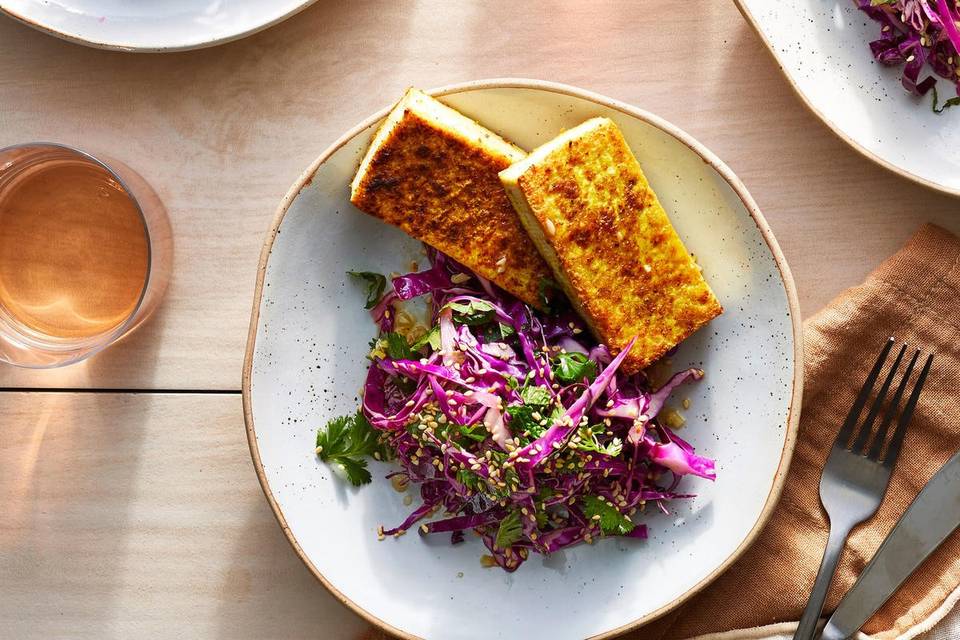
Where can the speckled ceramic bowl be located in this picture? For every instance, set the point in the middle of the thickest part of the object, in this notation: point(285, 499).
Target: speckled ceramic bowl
point(305, 364)
point(135, 25)
point(822, 48)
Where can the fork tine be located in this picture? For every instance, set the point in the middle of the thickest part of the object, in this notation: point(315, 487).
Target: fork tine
point(866, 428)
point(896, 442)
point(844, 436)
point(891, 411)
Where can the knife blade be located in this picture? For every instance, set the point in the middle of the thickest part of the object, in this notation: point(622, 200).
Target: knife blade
point(930, 518)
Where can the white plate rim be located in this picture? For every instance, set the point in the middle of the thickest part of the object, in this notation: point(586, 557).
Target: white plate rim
point(118, 46)
point(834, 127)
point(793, 410)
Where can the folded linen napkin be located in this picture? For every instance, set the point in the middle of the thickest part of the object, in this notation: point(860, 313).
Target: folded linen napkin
point(914, 296)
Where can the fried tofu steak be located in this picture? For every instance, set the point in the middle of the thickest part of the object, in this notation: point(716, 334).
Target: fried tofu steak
point(432, 171)
point(592, 214)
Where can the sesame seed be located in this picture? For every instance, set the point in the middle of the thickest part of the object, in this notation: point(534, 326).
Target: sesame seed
point(319, 450)
point(549, 227)
point(459, 278)
point(410, 403)
point(647, 268)
point(911, 58)
point(452, 402)
point(424, 528)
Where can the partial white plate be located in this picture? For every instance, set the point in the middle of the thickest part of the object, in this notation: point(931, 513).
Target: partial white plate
point(148, 25)
point(305, 362)
point(822, 46)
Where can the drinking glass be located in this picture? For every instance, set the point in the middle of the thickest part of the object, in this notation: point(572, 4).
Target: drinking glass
point(85, 253)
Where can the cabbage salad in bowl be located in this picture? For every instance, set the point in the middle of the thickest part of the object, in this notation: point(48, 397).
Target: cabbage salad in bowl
point(514, 423)
point(917, 33)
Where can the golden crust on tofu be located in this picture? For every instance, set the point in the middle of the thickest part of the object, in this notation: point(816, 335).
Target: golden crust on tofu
point(590, 210)
point(432, 172)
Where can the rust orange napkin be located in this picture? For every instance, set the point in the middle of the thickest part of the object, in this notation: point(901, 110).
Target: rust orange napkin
point(914, 296)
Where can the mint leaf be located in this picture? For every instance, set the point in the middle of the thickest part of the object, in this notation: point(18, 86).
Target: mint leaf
point(610, 520)
point(345, 442)
point(573, 367)
point(510, 531)
point(376, 284)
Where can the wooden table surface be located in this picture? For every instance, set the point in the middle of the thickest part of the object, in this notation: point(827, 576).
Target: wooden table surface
point(138, 514)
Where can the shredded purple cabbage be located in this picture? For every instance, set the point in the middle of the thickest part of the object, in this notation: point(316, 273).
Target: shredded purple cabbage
point(516, 424)
point(918, 33)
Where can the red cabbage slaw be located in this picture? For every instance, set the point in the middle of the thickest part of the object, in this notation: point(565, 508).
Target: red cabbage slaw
point(515, 423)
point(915, 33)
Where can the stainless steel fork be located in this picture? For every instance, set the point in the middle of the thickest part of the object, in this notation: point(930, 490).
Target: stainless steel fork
point(855, 478)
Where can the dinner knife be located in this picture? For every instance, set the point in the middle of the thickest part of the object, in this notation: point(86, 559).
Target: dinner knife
point(930, 518)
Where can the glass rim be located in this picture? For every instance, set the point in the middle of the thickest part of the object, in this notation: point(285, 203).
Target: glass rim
point(91, 345)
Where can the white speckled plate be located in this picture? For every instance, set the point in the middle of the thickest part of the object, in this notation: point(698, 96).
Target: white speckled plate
point(823, 48)
point(309, 334)
point(149, 25)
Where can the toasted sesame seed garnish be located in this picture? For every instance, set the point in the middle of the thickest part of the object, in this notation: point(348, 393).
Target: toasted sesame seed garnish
point(647, 268)
point(549, 227)
point(319, 450)
point(459, 278)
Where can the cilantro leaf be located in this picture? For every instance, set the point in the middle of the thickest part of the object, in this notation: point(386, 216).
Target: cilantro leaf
point(535, 396)
point(510, 530)
point(376, 284)
point(498, 332)
point(471, 313)
point(397, 347)
point(431, 338)
point(589, 442)
point(522, 420)
point(345, 442)
point(610, 520)
point(950, 102)
point(547, 290)
point(573, 367)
